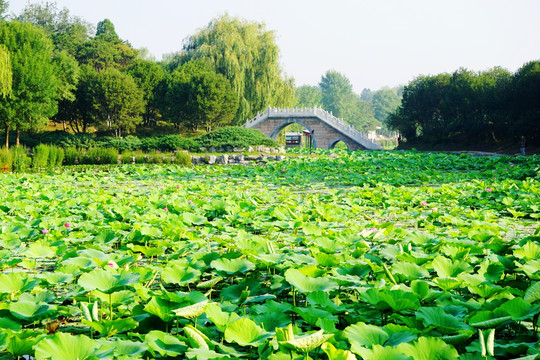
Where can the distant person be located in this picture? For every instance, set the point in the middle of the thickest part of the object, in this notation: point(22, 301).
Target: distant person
point(523, 145)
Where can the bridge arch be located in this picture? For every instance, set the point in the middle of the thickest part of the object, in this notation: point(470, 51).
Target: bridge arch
point(288, 122)
point(334, 142)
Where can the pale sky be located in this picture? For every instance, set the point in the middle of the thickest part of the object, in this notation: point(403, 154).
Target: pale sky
point(374, 43)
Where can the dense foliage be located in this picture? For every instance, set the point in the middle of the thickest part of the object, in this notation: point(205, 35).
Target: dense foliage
point(335, 257)
point(470, 107)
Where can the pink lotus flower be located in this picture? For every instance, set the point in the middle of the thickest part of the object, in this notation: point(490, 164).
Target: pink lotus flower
point(489, 190)
point(45, 231)
point(423, 203)
point(112, 264)
point(204, 176)
point(373, 229)
point(190, 201)
point(178, 186)
point(511, 165)
point(67, 225)
point(165, 209)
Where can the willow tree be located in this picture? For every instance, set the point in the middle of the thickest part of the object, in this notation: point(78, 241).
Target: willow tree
point(247, 55)
point(5, 72)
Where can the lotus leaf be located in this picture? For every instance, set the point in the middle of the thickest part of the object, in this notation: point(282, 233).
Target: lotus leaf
point(306, 284)
point(191, 311)
point(245, 332)
point(107, 281)
point(62, 346)
point(232, 266)
point(379, 352)
point(428, 348)
point(308, 342)
point(164, 344)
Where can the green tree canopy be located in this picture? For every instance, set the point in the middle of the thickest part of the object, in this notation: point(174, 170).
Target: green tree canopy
point(117, 101)
point(35, 84)
point(199, 96)
point(5, 72)
point(247, 55)
point(67, 32)
point(308, 96)
point(385, 101)
point(148, 75)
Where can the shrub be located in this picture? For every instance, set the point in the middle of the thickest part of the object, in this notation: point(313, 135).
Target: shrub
point(21, 160)
point(71, 155)
point(41, 156)
point(99, 155)
point(154, 157)
point(235, 136)
point(182, 158)
point(6, 159)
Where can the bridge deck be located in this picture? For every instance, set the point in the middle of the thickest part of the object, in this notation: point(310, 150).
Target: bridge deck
point(322, 115)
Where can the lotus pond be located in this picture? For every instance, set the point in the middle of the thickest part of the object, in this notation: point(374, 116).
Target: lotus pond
point(365, 255)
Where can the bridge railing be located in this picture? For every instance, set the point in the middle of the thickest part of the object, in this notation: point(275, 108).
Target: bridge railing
point(320, 113)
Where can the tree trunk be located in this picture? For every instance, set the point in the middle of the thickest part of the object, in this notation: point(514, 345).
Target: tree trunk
point(7, 136)
point(64, 124)
point(17, 141)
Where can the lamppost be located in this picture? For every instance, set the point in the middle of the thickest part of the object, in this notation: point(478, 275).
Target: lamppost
point(310, 137)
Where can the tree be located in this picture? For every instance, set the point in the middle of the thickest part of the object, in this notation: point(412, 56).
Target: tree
point(117, 101)
point(148, 75)
point(3, 8)
point(247, 55)
point(526, 110)
point(385, 101)
point(337, 93)
point(366, 95)
point(35, 85)
point(6, 76)
point(106, 49)
point(66, 32)
point(308, 96)
point(201, 97)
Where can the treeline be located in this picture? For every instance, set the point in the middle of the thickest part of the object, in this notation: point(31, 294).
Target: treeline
point(366, 111)
point(55, 66)
point(467, 107)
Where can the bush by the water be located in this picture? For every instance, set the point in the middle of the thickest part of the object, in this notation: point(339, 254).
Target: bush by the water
point(227, 137)
point(236, 136)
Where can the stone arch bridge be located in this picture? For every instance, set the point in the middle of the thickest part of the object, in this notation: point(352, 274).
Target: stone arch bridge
point(327, 129)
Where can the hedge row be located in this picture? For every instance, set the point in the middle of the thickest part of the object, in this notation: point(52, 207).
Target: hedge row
point(21, 159)
point(224, 138)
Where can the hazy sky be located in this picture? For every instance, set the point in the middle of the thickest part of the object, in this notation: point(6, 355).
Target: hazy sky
point(374, 43)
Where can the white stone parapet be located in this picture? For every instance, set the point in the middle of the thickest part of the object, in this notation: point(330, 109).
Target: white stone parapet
point(323, 115)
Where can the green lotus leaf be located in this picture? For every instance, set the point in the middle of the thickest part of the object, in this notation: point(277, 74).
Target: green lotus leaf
point(8, 324)
point(379, 352)
point(336, 354)
point(232, 266)
point(193, 219)
point(444, 322)
point(308, 342)
point(529, 251)
point(429, 348)
point(108, 280)
point(306, 284)
point(518, 309)
point(63, 346)
point(312, 314)
point(487, 320)
point(191, 311)
point(399, 334)
point(179, 273)
point(204, 354)
point(364, 335)
point(111, 327)
point(161, 308)
point(196, 338)
point(165, 344)
point(29, 310)
point(245, 332)
point(409, 270)
point(4, 337)
point(219, 317)
point(447, 268)
point(533, 293)
point(16, 282)
point(129, 348)
point(37, 250)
